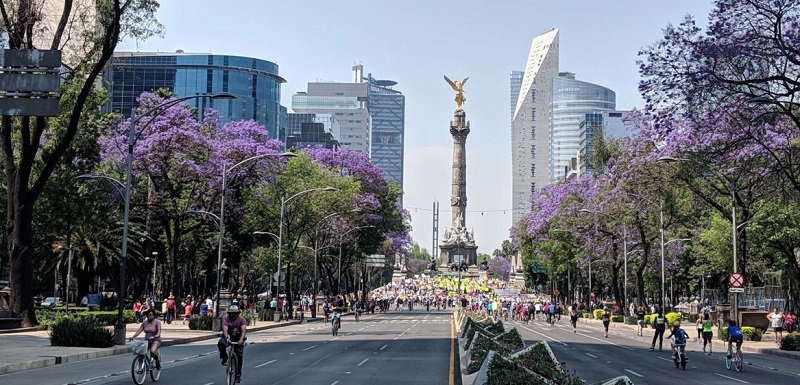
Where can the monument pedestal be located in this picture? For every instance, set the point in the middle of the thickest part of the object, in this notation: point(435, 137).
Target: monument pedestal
point(448, 253)
point(223, 303)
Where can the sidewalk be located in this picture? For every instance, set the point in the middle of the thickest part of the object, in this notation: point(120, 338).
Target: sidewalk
point(765, 346)
point(28, 349)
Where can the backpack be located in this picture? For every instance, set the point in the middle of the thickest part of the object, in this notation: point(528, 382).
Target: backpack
point(680, 337)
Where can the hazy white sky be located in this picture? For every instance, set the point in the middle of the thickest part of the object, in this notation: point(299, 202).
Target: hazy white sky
point(415, 42)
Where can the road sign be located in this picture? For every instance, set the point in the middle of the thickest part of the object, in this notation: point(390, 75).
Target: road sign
point(376, 260)
point(736, 290)
point(279, 278)
point(556, 292)
point(736, 280)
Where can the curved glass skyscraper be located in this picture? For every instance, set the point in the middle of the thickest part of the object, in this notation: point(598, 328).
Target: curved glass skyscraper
point(255, 83)
point(572, 100)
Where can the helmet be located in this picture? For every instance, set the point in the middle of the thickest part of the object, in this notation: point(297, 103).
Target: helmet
point(233, 309)
point(676, 323)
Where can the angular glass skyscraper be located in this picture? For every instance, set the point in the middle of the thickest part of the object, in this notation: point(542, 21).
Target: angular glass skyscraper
point(255, 83)
point(530, 123)
point(572, 101)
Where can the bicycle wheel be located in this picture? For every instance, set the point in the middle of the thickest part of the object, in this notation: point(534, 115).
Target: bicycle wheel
point(738, 361)
point(138, 370)
point(155, 374)
point(230, 374)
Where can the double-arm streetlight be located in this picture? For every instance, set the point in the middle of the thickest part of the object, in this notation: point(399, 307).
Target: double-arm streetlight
point(119, 328)
point(284, 201)
point(339, 277)
point(221, 217)
point(723, 178)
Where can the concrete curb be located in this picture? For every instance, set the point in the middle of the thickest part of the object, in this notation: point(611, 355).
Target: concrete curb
point(116, 350)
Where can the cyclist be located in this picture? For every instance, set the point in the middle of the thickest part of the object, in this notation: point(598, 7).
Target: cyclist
point(152, 329)
point(660, 325)
point(680, 339)
point(551, 314)
point(234, 328)
point(734, 335)
point(707, 333)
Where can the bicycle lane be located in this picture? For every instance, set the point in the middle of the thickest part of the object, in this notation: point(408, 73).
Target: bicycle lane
point(594, 358)
point(115, 369)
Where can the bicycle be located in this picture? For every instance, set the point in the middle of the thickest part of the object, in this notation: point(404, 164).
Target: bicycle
point(736, 359)
point(143, 363)
point(335, 324)
point(680, 356)
point(233, 364)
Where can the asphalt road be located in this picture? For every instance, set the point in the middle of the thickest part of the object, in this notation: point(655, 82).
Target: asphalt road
point(398, 347)
point(593, 357)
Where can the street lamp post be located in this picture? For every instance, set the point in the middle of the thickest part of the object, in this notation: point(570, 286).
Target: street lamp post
point(339, 270)
point(284, 201)
point(221, 219)
point(69, 275)
point(119, 328)
point(155, 268)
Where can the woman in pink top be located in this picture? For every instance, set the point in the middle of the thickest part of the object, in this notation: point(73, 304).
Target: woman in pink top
point(152, 329)
point(187, 312)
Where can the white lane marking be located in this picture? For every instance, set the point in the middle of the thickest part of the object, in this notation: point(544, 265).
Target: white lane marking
point(606, 341)
point(731, 378)
point(544, 335)
point(265, 364)
point(591, 355)
point(665, 359)
point(309, 348)
point(335, 382)
point(634, 373)
point(362, 362)
point(396, 338)
point(383, 347)
point(208, 383)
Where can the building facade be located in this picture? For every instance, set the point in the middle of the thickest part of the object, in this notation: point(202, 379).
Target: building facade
point(571, 101)
point(387, 109)
point(347, 102)
point(530, 123)
point(255, 83)
point(312, 131)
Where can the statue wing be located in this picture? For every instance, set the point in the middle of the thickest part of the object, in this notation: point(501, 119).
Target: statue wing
point(451, 83)
point(464, 81)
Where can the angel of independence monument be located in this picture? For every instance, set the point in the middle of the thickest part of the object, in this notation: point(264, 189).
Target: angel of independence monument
point(457, 250)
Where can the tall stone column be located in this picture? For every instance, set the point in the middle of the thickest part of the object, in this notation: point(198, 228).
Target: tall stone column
point(459, 129)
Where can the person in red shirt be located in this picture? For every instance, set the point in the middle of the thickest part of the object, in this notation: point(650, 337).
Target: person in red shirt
point(187, 311)
point(137, 311)
point(170, 309)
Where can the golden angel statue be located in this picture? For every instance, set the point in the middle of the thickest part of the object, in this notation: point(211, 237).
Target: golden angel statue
point(458, 87)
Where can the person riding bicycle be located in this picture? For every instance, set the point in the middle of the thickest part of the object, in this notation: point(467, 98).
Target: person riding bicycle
point(234, 329)
point(336, 310)
point(734, 335)
point(152, 329)
point(680, 338)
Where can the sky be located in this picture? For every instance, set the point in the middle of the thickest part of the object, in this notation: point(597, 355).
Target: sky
point(416, 42)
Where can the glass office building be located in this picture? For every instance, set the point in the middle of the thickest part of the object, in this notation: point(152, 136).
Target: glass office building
point(312, 131)
point(255, 83)
point(572, 100)
point(387, 109)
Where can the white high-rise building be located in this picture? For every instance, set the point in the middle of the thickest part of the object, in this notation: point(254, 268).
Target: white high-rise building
point(530, 123)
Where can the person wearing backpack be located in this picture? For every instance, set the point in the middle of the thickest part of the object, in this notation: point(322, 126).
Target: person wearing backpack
point(680, 338)
point(660, 326)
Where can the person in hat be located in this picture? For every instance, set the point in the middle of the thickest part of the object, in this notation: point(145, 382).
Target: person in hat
point(170, 308)
point(234, 328)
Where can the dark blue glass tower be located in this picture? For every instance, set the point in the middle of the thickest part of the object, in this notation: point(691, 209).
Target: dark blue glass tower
point(255, 83)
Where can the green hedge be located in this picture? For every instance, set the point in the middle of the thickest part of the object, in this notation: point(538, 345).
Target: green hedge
point(617, 318)
point(201, 322)
point(512, 340)
point(47, 318)
point(480, 349)
point(791, 341)
point(585, 315)
point(630, 320)
point(671, 318)
point(597, 313)
point(538, 360)
point(82, 332)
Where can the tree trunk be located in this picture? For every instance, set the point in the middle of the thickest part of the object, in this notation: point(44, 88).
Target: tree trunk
point(20, 221)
